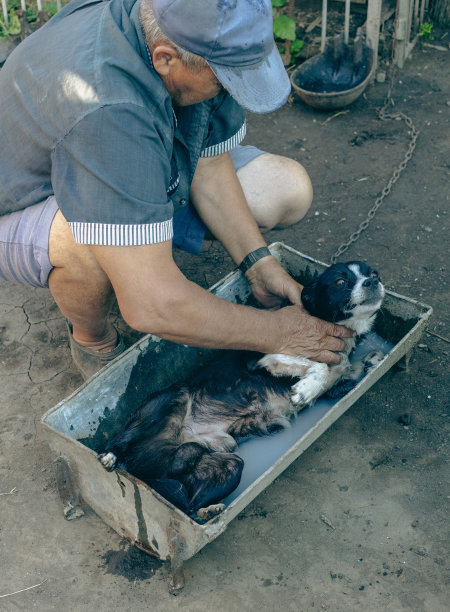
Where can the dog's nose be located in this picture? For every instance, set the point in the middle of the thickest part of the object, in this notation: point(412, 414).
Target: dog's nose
point(371, 282)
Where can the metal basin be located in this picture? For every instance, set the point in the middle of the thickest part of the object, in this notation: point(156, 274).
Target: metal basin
point(79, 426)
point(335, 78)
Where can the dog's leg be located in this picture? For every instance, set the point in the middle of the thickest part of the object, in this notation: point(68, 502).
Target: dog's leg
point(108, 460)
point(205, 514)
point(367, 364)
point(172, 490)
point(284, 365)
point(315, 381)
point(314, 376)
point(371, 360)
point(356, 372)
point(214, 477)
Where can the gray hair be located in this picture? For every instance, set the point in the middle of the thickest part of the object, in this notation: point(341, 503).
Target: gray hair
point(154, 35)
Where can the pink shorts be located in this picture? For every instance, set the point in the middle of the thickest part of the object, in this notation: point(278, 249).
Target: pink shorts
point(24, 244)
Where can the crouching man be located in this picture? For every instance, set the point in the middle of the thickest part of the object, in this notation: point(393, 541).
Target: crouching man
point(121, 123)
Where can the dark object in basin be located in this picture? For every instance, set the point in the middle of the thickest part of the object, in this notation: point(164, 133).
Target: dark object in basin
point(335, 78)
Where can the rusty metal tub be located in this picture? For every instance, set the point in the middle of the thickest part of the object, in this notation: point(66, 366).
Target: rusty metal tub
point(78, 427)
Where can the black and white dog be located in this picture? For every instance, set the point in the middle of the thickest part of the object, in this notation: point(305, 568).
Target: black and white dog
point(181, 441)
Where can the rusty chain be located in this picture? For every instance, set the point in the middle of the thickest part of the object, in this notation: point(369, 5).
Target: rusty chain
point(383, 115)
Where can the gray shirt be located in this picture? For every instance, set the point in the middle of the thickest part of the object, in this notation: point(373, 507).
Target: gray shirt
point(85, 117)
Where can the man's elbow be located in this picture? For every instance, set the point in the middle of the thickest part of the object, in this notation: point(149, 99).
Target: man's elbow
point(141, 318)
point(156, 316)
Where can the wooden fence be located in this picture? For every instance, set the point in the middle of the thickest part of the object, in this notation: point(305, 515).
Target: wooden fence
point(408, 21)
point(24, 8)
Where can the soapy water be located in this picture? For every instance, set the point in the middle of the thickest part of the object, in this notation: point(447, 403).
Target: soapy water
point(260, 453)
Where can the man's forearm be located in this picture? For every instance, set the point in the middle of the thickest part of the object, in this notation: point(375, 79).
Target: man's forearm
point(160, 300)
point(218, 197)
point(191, 315)
point(155, 297)
point(220, 201)
point(188, 314)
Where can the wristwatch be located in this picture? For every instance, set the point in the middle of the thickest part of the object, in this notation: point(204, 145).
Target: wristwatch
point(252, 258)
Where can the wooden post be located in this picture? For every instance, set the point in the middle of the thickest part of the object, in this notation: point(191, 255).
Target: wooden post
point(324, 26)
point(401, 32)
point(373, 27)
point(347, 21)
point(5, 13)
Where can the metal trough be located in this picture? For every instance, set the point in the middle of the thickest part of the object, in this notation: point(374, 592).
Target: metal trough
point(79, 425)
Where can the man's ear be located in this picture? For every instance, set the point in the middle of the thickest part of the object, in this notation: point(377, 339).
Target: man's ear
point(163, 57)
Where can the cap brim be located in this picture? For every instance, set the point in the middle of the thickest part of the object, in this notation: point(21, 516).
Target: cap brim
point(261, 88)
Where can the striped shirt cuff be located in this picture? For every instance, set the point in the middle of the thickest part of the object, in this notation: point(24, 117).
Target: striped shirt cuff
point(109, 234)
point(226, 145)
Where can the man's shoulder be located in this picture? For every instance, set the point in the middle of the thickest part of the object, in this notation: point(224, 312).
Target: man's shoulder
point(83, 60)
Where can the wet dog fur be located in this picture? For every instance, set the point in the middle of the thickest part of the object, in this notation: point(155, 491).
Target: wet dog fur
point(181, 442)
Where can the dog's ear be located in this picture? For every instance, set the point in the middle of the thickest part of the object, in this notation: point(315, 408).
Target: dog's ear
point(309, 296)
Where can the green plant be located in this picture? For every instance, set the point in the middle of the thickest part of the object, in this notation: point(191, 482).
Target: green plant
point(296, 47)
point(12, 28)
point(425, 31)
point(284, 29)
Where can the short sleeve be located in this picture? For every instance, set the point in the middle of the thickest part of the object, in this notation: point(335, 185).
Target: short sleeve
point(110, 176)
point(226, 128)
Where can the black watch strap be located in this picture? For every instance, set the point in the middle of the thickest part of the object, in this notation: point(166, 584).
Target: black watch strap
point(252, 258)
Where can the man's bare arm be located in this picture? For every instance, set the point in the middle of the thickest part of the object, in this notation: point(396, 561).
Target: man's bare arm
point(219, 199)
point(155, 297)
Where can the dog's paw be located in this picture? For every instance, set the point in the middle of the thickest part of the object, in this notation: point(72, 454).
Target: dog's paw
point(301, 396)
point(204, 514)
point(371, 360)
point(300, 401)
point(108, 460)
point(308, 388)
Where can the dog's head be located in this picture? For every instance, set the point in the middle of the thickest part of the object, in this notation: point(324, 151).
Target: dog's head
point(349, 293)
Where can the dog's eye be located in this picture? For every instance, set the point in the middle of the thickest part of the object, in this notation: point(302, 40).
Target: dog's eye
point(340, 282)
point(374, 274)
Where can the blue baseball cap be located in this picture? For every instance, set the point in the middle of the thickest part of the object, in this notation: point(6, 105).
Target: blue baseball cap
point(235, 37)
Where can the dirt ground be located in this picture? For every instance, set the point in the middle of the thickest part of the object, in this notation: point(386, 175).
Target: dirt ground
point(379, 476)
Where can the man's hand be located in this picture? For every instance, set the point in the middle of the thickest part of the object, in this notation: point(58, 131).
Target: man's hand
point(306, 336)
point(272, 285)
point(310, 337)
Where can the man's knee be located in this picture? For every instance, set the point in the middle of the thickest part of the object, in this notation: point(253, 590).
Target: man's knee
point(296, 193)
point(278, 190)
point(76, 260)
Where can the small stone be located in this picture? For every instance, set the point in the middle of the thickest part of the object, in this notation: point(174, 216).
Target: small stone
point(381, 76)
point(424, 347)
